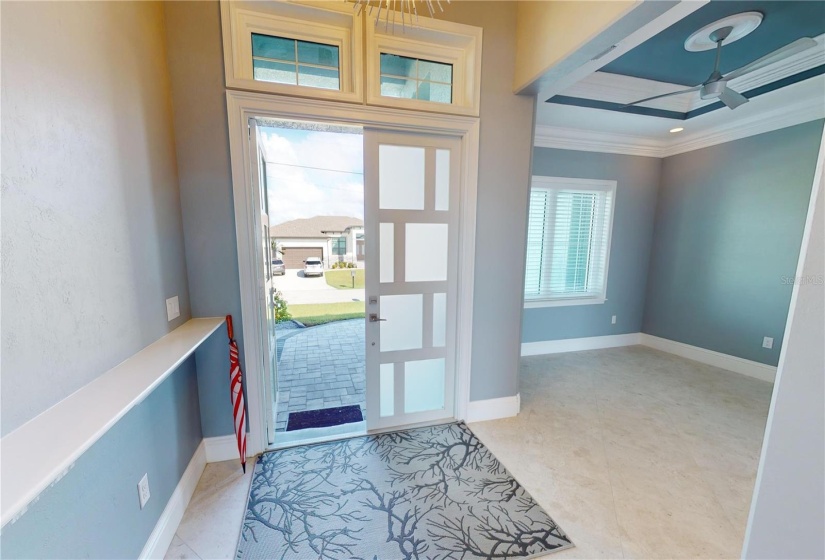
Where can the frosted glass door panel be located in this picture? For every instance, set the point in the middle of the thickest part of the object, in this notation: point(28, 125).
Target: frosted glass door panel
point(439, 320)
point(423, 385)
point(426, 251)
point(402, 327)
point(400, 178)
point(412, 197)
point(387, 389)
point(387, 252)
point(442, 179)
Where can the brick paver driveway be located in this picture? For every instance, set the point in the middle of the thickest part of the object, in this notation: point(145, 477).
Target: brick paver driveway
point(321, 367)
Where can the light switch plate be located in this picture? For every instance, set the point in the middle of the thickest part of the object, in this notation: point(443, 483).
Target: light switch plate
point(767, 342)
point(172, 308)
point(613, 320)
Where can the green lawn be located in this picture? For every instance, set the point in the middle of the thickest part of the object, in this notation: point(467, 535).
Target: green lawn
point(341, 278)
point(312, 314)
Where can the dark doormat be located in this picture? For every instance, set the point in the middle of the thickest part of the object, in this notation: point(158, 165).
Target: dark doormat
point(427, 493)
point(324, 417)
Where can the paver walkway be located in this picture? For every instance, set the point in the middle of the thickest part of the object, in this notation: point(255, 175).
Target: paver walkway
point(321, 367)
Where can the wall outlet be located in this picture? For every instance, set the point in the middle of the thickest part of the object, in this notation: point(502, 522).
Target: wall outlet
point(172, 308)
point(143, 490)
point(613, 320)
point(767, 342)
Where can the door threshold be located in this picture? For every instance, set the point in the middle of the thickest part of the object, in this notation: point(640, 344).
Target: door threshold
point(309, 436)
point(318, 435)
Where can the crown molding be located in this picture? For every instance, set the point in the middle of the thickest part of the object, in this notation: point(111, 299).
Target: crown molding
point(617, 88)
point(613, 143)
point(782, 117)
point(592, 141)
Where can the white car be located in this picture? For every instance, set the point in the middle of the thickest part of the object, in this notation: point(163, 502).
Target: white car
point(313, 267)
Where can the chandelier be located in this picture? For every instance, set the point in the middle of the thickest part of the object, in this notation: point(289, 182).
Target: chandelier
point(390, 8)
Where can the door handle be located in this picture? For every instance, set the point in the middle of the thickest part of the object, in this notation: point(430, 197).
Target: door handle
point(374, 318)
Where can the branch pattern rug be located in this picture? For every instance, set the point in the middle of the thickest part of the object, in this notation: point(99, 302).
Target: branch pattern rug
point(434, 492)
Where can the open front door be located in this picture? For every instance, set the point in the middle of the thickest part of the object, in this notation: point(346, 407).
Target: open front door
point(412, 186)
point(266, 289)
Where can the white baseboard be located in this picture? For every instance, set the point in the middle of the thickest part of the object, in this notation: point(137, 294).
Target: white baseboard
point(222, 448)
point(578, 344)
point(493, 409)
point(167, 524)
point(710, 357)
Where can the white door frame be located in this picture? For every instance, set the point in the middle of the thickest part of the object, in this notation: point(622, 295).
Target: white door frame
point(243, 105)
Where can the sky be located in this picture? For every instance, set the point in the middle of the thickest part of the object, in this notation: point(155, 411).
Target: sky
point(312, 173)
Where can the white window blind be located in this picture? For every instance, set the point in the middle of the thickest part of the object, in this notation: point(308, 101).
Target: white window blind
point(568, 240)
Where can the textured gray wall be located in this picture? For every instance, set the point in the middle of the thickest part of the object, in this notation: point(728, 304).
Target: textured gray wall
point(635, 207)
point(788, 511)
point(93, 512)
point(92, 242)
point(196, 66)
point(195, 59)
point(729, 225)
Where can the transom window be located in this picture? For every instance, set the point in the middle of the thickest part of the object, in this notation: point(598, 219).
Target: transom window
point(415, 78)
point(295, 62)
point(568, 241)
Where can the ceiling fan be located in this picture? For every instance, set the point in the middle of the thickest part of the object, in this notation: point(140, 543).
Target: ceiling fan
point(716, 86)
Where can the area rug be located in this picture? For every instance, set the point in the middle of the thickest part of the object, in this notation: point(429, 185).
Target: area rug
point(433, 492)
point(324, 417)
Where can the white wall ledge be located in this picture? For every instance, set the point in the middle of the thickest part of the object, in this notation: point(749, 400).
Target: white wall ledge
point(42, 450)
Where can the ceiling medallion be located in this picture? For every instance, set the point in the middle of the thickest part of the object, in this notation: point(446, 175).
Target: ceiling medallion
point(390, 9)
point(740, 24)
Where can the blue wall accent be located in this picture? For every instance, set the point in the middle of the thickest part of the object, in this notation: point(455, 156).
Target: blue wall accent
point(93, 511)
point(637, 184)
point(729, 224)
point(663, 57)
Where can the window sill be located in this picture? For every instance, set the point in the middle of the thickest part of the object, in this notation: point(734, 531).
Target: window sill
point(562, 302)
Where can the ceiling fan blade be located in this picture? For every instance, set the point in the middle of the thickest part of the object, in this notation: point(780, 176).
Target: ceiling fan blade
point(695, 88)
point(790, 49)
point(732, 98)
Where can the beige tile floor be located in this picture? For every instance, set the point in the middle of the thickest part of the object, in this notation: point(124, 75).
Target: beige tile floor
point(634, 452)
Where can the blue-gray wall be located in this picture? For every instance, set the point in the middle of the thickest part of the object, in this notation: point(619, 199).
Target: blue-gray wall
point(637, 184)
point(93, 511)
point(790, 483)
point(195, 57)
point(729, 223)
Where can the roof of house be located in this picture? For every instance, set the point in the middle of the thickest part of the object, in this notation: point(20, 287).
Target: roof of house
point(314, 227)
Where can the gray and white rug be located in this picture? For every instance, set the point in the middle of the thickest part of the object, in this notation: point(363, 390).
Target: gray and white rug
point(433, 492)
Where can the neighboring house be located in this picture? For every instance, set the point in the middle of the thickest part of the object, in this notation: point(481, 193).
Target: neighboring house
point(330, 238)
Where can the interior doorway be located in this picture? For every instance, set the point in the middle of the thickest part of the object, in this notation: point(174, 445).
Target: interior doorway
point(313, 191)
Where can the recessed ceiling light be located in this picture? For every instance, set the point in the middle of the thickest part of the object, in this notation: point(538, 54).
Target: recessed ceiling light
point(677, 129)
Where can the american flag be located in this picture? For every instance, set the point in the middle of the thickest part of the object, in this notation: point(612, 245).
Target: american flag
point(236, 392)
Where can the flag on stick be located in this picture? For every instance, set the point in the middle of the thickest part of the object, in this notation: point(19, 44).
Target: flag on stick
point(236, 392)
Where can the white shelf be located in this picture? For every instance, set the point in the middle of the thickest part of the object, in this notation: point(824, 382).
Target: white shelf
point(41, 451)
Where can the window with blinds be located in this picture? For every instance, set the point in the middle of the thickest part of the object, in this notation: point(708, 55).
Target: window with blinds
point(568, 241)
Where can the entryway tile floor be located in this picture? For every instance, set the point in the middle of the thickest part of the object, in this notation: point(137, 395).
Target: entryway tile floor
point(320, 367)
point(634, 452)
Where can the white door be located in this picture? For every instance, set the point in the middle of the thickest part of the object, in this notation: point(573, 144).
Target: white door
point(266, 289)
point(412, 186)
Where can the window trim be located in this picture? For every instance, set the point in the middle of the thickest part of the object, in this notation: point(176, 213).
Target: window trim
point(332, 25)
point(598, 185)
point(434, 40)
